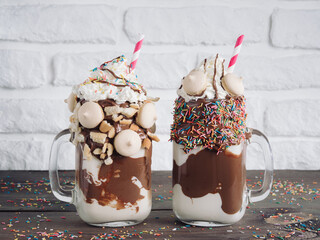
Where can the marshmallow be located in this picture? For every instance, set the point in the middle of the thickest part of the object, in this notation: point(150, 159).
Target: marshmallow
point(147, 115)
point(127, 143)
point(233, 84)
point(71, 101)
point(194, 83)
point(90, 114)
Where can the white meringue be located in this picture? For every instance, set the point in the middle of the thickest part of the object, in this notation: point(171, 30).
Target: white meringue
point(71, 101)
point(90, 114)
point(147, 115)
point(195, 82)
point(233, 84)
point(127, 142)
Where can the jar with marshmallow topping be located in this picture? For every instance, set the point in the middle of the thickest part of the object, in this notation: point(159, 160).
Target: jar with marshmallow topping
point(112, 128)
point(210, 138)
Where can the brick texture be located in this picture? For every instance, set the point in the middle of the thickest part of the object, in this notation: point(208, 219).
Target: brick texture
point(296, 28)
point(196, 25)
point(293, 118)
point(162, 154)
point(22, 69)
point(164, 70)
point(45, 48)
point(33, 116)
point(74, 68)
point(255, 108)
point(22, 155)
point(296, 154)
point(266, 73)
point(59, 23)
point(165, 117)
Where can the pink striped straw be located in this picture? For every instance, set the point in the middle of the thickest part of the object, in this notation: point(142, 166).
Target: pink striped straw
point(136, 53)
point(235, 54)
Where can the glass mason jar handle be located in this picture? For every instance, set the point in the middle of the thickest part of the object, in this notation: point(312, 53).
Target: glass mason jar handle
point(59, 192)
point(260, 194)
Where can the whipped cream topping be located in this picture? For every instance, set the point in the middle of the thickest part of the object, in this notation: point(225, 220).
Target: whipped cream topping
point(212, 67)
point(100, 91)
point(112, 80)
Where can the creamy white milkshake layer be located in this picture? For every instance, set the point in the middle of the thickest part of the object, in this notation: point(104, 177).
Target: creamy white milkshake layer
point(95, 213)
point(206, 206)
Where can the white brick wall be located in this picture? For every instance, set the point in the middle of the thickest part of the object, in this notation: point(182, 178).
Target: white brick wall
point(196, 25)
point(33, 115)
point(22, 69)
point(59, 23)
point(24, 154)
point(46, 48)
point(296, 28)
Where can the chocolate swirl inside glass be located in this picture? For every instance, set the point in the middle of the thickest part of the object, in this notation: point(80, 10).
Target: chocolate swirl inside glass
point(210, 139)
point(111, 128)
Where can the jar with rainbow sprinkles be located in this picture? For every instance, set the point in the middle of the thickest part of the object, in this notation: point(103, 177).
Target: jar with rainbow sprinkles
point(210, 138)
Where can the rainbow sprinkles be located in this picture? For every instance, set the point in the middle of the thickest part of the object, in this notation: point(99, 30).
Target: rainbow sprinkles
point(109, 73)
point(214, 125)
point(112, 80)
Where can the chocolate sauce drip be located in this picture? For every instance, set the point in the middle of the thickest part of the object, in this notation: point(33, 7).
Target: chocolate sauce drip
point(121, 85)
point(209, 172)
point(103, 64)
point(205, 64)
point(214, 84)
point(115, 181)
point(117, 85)
point(102, 67)
point(112, 73)
point(82, 101)
point(109, 103)
point(222, 75)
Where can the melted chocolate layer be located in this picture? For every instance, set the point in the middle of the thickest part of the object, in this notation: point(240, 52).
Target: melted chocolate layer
point(209, 172)
point(116, 180)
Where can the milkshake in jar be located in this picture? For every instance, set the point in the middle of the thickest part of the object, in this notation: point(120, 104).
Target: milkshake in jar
point(111, 127)
point(210, 138)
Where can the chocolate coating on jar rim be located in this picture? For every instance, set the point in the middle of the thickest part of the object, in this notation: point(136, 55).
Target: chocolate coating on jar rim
point(116, 180)
point(212, 124)
point(209, 172)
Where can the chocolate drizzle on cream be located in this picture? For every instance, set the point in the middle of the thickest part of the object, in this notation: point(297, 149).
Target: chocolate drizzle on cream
point(205, 64)
point(103, 67)
point(214, 84)
point(208, 172)
point(222, 73)
point(120, 85)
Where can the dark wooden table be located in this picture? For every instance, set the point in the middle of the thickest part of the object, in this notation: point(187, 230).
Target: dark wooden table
point(28, 210)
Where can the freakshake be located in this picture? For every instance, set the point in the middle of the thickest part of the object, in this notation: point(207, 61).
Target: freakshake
point(111, 127)
point(209, 143)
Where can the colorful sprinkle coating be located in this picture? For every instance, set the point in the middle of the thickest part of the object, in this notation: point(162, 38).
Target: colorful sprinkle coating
point(215, 124)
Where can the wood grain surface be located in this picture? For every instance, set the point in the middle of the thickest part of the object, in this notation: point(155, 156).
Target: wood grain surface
point(28, 210)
